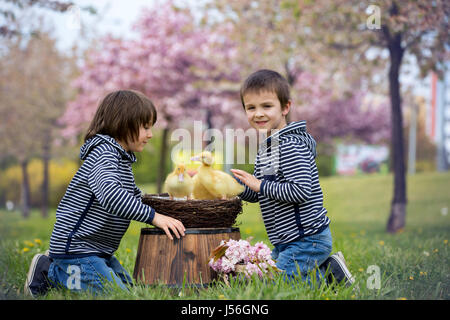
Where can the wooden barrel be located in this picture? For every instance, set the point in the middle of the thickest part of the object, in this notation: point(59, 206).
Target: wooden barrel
point(160, 260)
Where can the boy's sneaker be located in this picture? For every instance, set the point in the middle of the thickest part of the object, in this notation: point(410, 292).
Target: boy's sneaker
point(337, 270)
point(37, 282)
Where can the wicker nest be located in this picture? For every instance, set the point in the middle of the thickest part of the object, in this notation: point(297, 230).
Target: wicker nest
point(197, 213)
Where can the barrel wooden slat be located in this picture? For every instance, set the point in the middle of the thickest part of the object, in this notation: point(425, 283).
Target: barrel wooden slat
point(162, 261)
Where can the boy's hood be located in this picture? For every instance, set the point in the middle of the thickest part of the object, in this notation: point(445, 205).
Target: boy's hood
point(99, 139)
point(297, 129)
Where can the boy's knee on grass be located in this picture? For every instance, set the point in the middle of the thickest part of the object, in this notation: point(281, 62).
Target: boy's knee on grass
point(93, 274)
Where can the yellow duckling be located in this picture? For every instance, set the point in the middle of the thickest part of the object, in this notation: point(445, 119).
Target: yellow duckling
point(179, 183)
point(219, 184)
point(200, 192)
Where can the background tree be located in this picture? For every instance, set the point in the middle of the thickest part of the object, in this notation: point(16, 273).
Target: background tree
point(9, 26)
point(34, 81)
point(418, 28)
point(356, 115)
point(335, 101)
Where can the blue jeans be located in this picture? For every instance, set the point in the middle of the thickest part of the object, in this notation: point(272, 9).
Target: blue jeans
point(88, 273)
point(304, 255)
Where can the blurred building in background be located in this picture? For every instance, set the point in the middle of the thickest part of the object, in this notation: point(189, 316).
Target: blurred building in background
point(439, 118)
point(352, 159)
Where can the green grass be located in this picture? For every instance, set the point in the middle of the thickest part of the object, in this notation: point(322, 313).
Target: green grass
point(414, 264)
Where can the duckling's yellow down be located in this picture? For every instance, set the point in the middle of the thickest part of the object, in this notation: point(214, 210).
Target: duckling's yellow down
point(218, 184)
point(179, 183)
point(200, 192)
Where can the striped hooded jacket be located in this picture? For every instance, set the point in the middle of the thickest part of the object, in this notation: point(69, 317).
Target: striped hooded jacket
point(290, 196)
point(99, 203)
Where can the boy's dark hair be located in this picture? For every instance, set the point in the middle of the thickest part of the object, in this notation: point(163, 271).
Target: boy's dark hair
point(121, 114)
point(267, 80)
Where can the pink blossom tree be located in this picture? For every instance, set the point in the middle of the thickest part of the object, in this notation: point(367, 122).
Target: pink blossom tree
point(346, 114)
point(181, 67)
point(270, 35)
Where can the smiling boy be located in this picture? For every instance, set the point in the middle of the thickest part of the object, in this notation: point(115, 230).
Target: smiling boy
point(285, 182)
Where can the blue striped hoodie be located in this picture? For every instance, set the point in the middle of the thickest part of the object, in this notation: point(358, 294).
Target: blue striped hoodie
point(290, 196)
point(99, 203)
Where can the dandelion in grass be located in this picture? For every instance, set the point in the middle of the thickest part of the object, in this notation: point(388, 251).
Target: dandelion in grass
point(401, 298)
point(29, 243)
point(445, 241)
point(381, 243)
point(38, 241)
point(128, 250)
point(411, 278)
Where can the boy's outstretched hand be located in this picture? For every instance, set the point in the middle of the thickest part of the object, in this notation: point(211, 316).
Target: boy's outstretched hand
point(165, 223)
point(248, 179)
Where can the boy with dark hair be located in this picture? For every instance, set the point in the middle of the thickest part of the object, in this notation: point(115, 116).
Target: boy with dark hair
point(100, 202)
point(285, 182)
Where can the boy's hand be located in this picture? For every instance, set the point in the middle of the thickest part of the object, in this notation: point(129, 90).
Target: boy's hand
point(166, 223)
point(248, 179)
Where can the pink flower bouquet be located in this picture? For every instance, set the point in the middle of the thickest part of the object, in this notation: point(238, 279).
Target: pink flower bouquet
point(239, 256)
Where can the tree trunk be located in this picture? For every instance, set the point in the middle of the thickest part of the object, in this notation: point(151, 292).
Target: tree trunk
point(398, 206)
point(25, 190)
point(290, 77)
point(208, 138)
point(45, 178)
point(162, 163)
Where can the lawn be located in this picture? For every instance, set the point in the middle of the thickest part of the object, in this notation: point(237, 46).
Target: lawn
point(413, 264)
